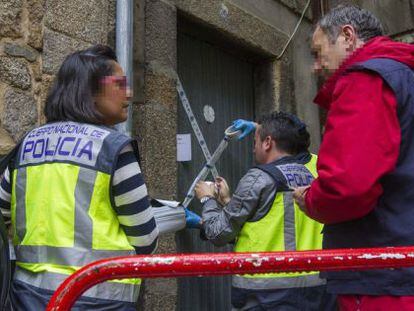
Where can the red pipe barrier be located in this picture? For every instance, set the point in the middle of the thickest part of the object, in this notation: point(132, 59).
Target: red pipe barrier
point(175, 265)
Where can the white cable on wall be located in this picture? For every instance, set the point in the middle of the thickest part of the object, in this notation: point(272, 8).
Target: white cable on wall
point(294, 31)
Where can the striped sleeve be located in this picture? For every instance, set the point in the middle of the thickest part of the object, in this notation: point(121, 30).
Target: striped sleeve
point(132, 203)
point(5, 195)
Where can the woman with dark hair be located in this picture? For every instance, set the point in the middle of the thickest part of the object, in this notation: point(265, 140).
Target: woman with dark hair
point(75, 189)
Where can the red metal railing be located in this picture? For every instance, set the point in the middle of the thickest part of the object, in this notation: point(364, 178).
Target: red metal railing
point(223, 264)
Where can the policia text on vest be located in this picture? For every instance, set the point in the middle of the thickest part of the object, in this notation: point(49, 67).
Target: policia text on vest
point(63, 142)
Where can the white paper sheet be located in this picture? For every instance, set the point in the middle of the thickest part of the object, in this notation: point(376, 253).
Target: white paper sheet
point(183, 147)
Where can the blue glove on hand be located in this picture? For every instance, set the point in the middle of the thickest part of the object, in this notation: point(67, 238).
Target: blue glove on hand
point(245, 126)
point(192, 220)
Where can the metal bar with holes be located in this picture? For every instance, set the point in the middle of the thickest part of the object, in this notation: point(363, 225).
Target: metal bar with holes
point(197, 131)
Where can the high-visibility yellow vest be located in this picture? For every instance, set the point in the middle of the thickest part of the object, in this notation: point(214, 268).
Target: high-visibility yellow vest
point(284, 228)
point(61, 207)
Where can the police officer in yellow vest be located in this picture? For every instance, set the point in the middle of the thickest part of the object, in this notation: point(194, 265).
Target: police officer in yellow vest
point(75, 190)
point(261, 216)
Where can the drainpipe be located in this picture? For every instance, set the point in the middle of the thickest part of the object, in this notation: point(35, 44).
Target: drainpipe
point(124, 39)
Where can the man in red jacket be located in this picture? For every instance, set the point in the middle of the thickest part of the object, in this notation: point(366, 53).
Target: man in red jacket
point(365, 189)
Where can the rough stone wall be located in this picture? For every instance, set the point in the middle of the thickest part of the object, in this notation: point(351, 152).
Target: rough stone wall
point(35, 36)
point(297, 6)
point(156, 122)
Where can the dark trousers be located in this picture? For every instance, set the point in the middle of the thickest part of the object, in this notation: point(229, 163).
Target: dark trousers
point(25, 297)
point(292, 299)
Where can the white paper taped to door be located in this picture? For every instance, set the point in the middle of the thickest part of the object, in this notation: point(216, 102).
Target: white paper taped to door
point(183, 147)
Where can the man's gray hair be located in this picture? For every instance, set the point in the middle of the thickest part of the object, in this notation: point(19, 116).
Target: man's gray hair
point(366, 25)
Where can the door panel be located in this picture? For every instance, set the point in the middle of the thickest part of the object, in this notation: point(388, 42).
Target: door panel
point(210, 76)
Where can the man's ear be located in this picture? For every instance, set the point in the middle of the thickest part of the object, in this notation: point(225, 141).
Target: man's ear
point(268, 143)
point(349, 33)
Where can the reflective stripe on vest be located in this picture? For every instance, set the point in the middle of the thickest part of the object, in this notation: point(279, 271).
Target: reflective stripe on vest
point(108, 290)
point(299, 233)
point(289, 221)
point(277, 283)
point(20, 192)
point(65, 256)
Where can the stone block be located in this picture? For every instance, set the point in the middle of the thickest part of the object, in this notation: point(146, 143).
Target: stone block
point(11, 18)
point(14, 71)
point(244, 28)
point(287, 85)
point(161, 33)
point(111, 30)
point(395, 16)
point(139, 31)
point(56, 47)
point(272, 12)
point(167, 244)
point(161, 89)
point(266, 99)
point(46, 84)
point(18, 50)
point(85, 20)
point(160, 294)
point(36, 9)
point(156, 131)
point(36, 69)
point(19, 114)
point(298, 6)
point(6, 142)
point(305, 84)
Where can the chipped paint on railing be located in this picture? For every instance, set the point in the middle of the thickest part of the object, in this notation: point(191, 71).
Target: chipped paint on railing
point(160, 260)
point(257, 259)
point(382, 256)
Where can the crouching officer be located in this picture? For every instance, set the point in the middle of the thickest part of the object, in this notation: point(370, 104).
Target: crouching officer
point(261, 216)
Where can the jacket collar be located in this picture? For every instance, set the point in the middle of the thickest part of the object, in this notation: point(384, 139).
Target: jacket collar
point(301, 158)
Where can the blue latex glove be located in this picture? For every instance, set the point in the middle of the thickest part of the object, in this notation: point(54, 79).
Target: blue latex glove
point(192, 220)
point(245, 126)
